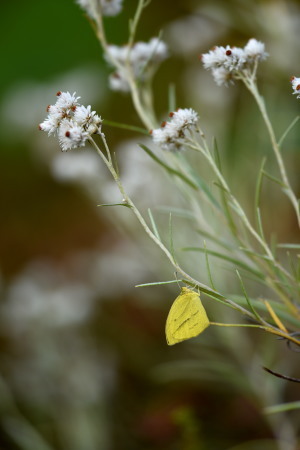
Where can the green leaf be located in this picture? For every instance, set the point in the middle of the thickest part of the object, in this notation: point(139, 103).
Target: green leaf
point(125, 126)
point(283, 407)
point(169, 169)
point(208, 268)
point(172, 97)
point(272, 178)
point(154, 227)
point(115, 204)
point(259, 318)
point(215, 239)
point(288, 130)
point(235, 261)
point(259, 223)
point(158, 283)
point(290, 246)
point(180, 212)
point(171, 237)
point(259, 185)
point(279, 308)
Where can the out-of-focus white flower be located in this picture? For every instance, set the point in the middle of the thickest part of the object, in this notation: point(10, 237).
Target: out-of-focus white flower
point(73, 123)
point(227, 63)
point(296, 86)
point(40, 297)
point(82, 166)
point(255, 50)
point(111, 7)
point(171, 134)
point(94, 8)
point(139, 61)
point(118, 82)
point(222, 76)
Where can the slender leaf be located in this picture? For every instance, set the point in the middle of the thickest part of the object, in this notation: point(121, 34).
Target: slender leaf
point(172, 97)
point(259, 186)
point(291, 246)
point(272, 178)
point(259, 223)
point(169, 169)
point(208, 268)
point(115, 204)
point(283, 407)
point(214, 239)
point(259, 318)
point(171, 237)
point(158, 283)
point(125, 126)
point(278, 307)
point(235, 261)
point(154, 227)
point(288, 130)
point(180, 212)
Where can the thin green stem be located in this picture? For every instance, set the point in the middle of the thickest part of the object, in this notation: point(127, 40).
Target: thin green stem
point(127, 200)
point(252, 87)
point(238, 209)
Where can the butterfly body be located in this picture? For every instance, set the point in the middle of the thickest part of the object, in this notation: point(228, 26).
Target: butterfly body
point(187, 317)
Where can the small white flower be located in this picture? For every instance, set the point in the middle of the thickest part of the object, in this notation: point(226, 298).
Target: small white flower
point(214, 58)
point(227, 63)
point(87, 118)
point(111, 7)
point(167, 138)
point(222, 76)
point(73, 123)
point(143, 58)
point(71, 135)
point(118, 82)
point(93, 8)
point(255, 50)
point(67, 101)
point(184, 118)
point(296, 86)
point(155, 51)
point(50, 124)
point(116, 52)
point(235, 58)
point(171, 134)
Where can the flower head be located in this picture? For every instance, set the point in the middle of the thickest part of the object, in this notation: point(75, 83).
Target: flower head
point(94, 8)
point(172, 134)
point(255, 50)
point(141, 60)
point(228, 63)
point(296, 86)
point(73, 123)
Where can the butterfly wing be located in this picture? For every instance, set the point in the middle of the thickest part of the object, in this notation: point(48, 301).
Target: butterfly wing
point(187, 317)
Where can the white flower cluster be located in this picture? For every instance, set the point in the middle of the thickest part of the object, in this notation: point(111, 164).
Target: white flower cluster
point(227, 62)
point(172, 133)
point(139, 61)
point(94, 8)
point(296, 86)
point(73, 123)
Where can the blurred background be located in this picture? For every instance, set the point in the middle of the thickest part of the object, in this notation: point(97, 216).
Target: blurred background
point(84, 363)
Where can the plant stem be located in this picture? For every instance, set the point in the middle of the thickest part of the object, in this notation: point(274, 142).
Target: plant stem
point(127, 200)
point(252, 87)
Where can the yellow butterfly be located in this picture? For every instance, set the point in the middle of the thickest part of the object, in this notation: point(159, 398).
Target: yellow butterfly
point(187, 317)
